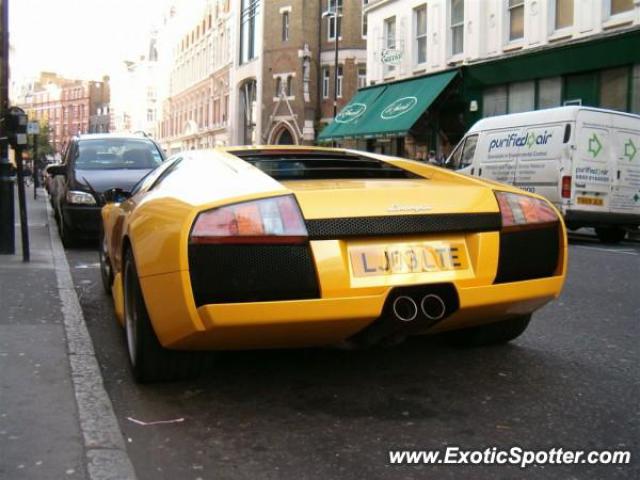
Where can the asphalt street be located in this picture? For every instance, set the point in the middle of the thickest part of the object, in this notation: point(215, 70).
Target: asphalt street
point(571, 381)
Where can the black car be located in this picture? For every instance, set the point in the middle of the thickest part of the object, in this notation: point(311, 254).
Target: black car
point(93, 164)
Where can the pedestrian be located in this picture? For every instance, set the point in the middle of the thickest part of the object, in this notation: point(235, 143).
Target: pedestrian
point(432, 158)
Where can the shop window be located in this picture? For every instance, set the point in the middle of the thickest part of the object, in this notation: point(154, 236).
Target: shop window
point(564, 14)
point(457, 27)
point(420, 44)
point(620, 6)
point(494, 101)
point(516, 19)
point(614, 86)
point(522, 96)
point(635, 89)
point(550, 92)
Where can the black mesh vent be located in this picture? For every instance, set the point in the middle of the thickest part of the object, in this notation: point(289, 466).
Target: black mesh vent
point(251, 273)
point(528, 254)
point(333, 228)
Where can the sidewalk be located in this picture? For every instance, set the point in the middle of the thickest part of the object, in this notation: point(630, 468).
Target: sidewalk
point(56, 420)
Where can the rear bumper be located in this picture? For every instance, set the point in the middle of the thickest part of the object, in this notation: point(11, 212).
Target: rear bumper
point(315, 322)
point(82, 220)
point(581, 218)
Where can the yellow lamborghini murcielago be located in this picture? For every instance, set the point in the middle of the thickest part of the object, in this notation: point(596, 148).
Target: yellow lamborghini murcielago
point(271, 247)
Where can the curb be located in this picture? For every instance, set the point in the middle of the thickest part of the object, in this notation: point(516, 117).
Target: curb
point(106, 454)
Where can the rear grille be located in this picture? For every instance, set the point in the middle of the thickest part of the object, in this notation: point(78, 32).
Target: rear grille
point(528, 254)
point(334, 228)
point(251, 273)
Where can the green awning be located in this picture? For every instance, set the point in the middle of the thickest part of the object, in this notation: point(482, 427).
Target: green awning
point(350, 117)
point(394, 108)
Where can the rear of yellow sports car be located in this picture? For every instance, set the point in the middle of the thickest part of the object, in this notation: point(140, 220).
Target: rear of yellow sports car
point(365, 253)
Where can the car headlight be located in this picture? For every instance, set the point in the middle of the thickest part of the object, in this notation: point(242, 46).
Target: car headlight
point(80, 198)
point(519, 211)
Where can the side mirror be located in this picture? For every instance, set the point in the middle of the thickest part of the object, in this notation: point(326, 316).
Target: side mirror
point(115, 195)
point(55, 170)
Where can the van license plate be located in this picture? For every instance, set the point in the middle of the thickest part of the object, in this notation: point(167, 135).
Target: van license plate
point(590, 201)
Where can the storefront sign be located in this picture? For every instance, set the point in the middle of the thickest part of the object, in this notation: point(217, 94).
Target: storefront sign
point(351, 112)
point(399, 107)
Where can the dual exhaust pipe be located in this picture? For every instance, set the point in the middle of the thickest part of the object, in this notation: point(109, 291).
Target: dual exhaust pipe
point(406, 308)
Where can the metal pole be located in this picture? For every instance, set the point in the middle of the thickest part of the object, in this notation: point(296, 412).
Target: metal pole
point(335, 72)
point(22, 201)
point(7, 219)
point(35, 166)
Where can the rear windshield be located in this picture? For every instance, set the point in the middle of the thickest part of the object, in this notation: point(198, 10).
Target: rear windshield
point(117, 153)
point(321, 165)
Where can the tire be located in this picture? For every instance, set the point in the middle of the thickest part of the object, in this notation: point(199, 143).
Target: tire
point(149, 360)
point(611, 234)
point(106, 270)
point(69, 239)
point(490, 334)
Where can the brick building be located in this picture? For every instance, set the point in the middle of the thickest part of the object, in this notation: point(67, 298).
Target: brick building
point(299, 63)
point(69, 106)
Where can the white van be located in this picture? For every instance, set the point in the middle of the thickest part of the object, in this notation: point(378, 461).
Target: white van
point(585, 160)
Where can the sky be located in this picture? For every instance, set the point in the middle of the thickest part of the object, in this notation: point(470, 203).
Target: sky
point(78, 38)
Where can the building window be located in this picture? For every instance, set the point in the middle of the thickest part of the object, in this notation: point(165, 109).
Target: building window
point(550, 92)
point(289, 86)
point(365, 25)
point(457, 27)
point(285, 26)
point(620, 6)
point(516, 19)
point(362, 77)
point(325, 82)
point(278, 86)
point(564, 14)
point(339, 84)
point(248, 36)
point(150, 115)
point(389, 40)
point(420, 22)
point(522, 96)
point(614, 86)
point(494, 101)
point(635, 89)
point(336, 7)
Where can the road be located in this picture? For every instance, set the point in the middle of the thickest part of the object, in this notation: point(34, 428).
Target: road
point(571, 381)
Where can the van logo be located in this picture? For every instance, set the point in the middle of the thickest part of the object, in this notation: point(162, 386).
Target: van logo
point(513, 140)
point(630, 150)
point(351, 112)
point(595, 147)
point(399, 107)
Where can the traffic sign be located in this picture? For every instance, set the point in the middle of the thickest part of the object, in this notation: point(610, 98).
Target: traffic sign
point(33, 128)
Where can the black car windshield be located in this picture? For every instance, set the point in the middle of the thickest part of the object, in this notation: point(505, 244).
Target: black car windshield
point(117, 153)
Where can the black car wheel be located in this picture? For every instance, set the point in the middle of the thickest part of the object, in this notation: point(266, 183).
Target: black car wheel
point(106, 271)
point(149, 360)
point(490, 334)
point(611, 234)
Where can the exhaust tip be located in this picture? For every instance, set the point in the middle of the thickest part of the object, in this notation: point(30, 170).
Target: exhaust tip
point(433, 307)
point(405, 308)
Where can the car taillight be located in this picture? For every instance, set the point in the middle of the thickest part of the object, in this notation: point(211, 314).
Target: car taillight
point(270, 220)
point(566, 187)
point(522, 210)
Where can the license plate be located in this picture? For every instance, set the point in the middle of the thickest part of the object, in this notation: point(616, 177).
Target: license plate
point(590, 201)
point(410, 258)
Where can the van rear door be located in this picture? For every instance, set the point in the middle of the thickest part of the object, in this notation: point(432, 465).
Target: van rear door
point(540, 159)
point(592, 167)
point(625, 192)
